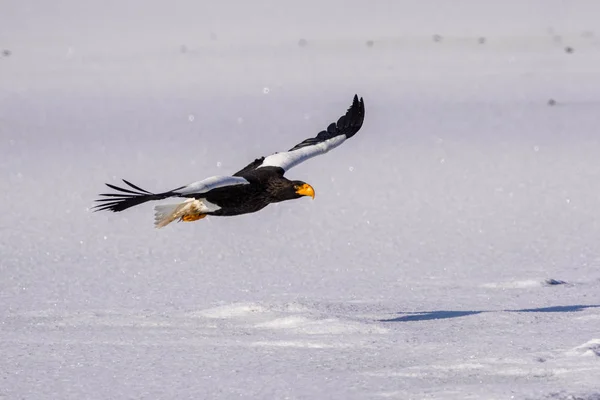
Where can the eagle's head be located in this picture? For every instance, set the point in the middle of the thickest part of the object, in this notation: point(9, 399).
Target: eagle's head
point(281, 190)
point(302, 189)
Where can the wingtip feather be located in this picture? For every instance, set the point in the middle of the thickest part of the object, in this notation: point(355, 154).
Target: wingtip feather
point(126, 198)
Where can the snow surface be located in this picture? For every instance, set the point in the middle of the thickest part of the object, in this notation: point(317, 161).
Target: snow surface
point(428, 266)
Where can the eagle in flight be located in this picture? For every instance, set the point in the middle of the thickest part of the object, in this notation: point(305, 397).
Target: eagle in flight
point(251, 189)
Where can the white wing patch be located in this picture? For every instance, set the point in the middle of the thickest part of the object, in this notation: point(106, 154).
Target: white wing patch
point(289, 159)
point(211, 183)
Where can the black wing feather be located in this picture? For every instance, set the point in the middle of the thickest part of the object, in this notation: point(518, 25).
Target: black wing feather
point(250, 167)
point(347, 125)
point(136, 187)
point(127, 198)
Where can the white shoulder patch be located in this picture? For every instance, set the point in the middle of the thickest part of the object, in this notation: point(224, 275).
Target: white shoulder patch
point(289, 159)
point(211, 183)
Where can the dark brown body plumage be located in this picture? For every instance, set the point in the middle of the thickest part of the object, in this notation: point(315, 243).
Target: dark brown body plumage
point(267, 185)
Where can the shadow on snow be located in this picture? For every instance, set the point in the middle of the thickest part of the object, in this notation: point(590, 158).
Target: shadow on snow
point(443, 314)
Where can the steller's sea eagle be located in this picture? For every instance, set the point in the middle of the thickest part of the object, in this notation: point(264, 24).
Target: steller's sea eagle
point(251, 189)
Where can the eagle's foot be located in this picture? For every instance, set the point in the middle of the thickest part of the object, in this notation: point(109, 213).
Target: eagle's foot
point(192, 217)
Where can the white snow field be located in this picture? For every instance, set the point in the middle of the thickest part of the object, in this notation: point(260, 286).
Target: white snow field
point(452, 250)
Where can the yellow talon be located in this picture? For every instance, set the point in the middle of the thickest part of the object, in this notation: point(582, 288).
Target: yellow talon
point(192, 217)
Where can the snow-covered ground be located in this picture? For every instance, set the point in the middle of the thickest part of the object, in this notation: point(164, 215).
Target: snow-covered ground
point(452, 249)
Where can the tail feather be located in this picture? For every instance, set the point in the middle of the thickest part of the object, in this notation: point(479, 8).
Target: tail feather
point(167, 213)
point(127, 198)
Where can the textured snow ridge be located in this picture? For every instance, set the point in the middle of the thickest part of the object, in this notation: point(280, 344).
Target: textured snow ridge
point(491, 367)
point(281, 325)
point(588, 349)
point(288, 319)
point(563, 395)
point(291, 318)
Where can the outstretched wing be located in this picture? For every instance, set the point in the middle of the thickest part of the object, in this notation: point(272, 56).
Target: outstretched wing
point(124, 198)
point(336, 134)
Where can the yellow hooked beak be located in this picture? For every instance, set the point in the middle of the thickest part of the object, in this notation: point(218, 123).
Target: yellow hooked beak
point(306, 190)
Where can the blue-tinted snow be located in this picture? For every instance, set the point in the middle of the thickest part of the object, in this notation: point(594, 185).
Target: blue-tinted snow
point(420, 269)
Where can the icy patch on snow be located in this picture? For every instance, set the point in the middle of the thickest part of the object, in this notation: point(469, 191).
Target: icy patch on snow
point(486, 368)
point(513, 285)
point(238, 310)
point(113, 320)
point(285, 323)
point(301, 344)
point(431, 371)
point(241, 310)
point(328, 326)
point(591, 317)
point(95, 318)
point(572, 396)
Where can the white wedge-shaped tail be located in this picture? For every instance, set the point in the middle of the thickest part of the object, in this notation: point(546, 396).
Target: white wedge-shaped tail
point(165, 214)
point(189, 210)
